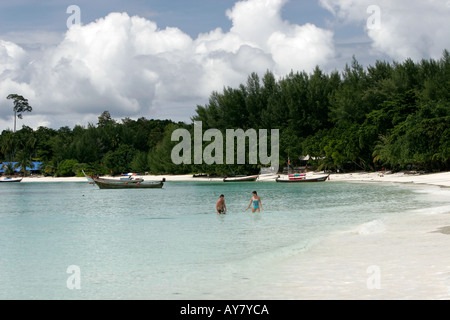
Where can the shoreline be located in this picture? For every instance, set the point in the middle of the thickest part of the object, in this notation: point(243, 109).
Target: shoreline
point(405, 259)
point(441, 179)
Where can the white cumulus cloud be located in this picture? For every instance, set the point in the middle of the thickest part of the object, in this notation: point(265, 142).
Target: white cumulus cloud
point(129, 66)
point(407, 28)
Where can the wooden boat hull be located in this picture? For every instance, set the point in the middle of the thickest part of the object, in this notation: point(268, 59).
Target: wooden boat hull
point(11, 180)
point(241, 179)
point(121, 180)
point(319, 179)
point(117, 184)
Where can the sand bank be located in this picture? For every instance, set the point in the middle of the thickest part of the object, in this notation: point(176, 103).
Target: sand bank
point(436, 179)
point(407, 259)
point(52, 179)
point(404, 257)
point(145, 177)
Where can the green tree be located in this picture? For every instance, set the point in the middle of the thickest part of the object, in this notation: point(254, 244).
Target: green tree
point(9, 168)
point(160, 158)
point(66, 168)
point(7, 144)
point(24, 161)
point(347, 103)
point(119, 161)
point(105, 119)
point(140, 163)
point(44, 137)
point(20, 106)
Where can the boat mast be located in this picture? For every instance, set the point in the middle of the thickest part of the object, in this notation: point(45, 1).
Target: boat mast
point(289, 162)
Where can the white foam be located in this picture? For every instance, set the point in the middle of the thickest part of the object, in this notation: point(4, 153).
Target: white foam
point(375, 226)
point(433, 210)
point(434, 191)
point(371, 227)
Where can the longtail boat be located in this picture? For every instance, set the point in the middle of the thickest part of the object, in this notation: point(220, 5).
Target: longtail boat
point(11, 180)
point(300, 180)
point(240, 179)
point(127, 184)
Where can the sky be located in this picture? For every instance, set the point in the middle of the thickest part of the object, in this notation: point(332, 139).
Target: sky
point(161, 59)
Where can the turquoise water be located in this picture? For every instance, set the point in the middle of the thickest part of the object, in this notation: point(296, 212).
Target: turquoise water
point(169, 243)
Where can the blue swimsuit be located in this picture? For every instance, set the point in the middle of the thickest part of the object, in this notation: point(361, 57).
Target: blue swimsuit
point(255, 204)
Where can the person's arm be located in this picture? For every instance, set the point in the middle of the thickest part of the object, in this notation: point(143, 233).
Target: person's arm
point(217, 207)
point(260, 203)
point(249, 205)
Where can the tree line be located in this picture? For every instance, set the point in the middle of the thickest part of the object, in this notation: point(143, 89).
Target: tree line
point(389, 115)
point(102, 148)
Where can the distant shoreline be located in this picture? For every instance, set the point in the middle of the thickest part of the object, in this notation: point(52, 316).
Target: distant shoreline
point(441, 179)
point(436, 179)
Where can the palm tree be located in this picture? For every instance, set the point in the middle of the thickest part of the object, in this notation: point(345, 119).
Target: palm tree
point(7, 141)
point(20, 106)
point(9, 169)
point(23, 161)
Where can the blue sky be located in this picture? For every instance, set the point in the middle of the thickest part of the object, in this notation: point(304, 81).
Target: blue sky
point(193, 17)
point(160, 59)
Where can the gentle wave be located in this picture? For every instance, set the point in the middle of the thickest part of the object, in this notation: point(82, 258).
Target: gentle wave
point(371, 227)
point(434, 191)
point(433, 210)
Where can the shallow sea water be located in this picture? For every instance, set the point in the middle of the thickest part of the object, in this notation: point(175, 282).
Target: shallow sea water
point(170, 244)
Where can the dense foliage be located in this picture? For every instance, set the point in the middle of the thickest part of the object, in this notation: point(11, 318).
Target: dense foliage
point(395, 115)
point(108, 147)
point(392, 115)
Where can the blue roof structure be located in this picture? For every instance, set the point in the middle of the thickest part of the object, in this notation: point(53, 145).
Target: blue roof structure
point(35, 167)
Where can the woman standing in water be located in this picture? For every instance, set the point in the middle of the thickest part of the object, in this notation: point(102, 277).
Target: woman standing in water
point(255, 203)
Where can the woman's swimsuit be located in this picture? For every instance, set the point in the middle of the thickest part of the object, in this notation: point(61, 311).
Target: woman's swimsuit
point(255, 204)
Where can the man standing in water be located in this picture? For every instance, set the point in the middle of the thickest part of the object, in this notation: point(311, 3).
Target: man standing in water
point(221, 208)
point(255, 203)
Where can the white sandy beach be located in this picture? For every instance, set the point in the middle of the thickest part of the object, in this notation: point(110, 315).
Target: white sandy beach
point(402, 258)
point(436, 179)
point(399, 259)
